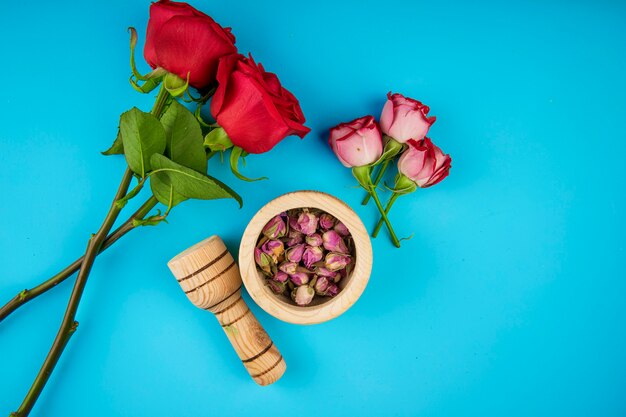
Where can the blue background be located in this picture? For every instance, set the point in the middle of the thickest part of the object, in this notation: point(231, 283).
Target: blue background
point(508, 300)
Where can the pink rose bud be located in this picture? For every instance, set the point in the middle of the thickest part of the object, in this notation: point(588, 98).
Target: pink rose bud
point(302, 295)
point(314, 240)
point(274, 248)
point(333, 242)
point(342, 274)
point(263, 260)
point(275, 228)
point(327, 221)
point(424, 163)
point(357, 143)
point(294, 237)
point(299, 278)
point(404, 118)
point(324, 272)
point(321, 284)
point(288, 267)
point(294, 253)
point(341, 229)
point(307, 223)
point(293, 223)
point(280, 276)
point(311, 255)
point(332, 290)
point(275, 286)
point(336, 261)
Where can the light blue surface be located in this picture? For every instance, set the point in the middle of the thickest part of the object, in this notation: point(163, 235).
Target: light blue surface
point(509, 300)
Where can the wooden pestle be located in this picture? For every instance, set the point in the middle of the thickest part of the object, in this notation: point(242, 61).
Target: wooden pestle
point(210, 278)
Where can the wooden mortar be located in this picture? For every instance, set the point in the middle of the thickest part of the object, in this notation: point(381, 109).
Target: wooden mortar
point(322, 308)
point(210, 278)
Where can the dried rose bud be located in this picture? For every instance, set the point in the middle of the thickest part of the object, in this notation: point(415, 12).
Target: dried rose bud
point(294, 253)
point(274, 248)
point(327, 221)
point(347, 270)
point(321, 284)
point(333, 242)
point(321, 271)
point(299, 278)
point(341, 274)
point(275, 286)
point(302, 295)
point(288, 267)
point(314, 240)
point(336, 261)
point(311, 255)
point(294, 237)
point(264, 261)
point(341, 229)
point(293, 222)
point(332, 290)
point(307, 223)
point(275, 228)
point(280, 276)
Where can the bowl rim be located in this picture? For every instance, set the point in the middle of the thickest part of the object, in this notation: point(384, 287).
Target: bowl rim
point(331, 308)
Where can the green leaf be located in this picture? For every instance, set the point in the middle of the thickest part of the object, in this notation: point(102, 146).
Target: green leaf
point(117, 148)
point(163, 190)
point(142, 136)
point(183, 138)
point(190, 183)
point(217, 140)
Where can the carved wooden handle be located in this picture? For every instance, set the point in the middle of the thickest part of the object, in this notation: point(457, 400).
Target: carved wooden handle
point(210, 278)
point(255, 348)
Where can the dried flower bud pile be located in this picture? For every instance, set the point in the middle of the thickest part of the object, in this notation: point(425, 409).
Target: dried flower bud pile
point(304, 253)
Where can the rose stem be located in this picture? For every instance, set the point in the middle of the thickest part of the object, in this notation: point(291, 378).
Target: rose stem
point(26, 295)
point(68, 325)
point(394, 238)
point(379, 176)
point(392, 200)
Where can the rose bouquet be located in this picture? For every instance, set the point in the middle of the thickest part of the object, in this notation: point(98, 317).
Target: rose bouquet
point(168, 147)
point(365, 145)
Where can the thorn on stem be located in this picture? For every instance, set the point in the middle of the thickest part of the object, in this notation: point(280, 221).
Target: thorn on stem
point(74, 327)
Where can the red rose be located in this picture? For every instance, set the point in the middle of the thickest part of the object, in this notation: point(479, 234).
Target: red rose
point(253, 108)
point(183, 40)
point(357, 143)
point(424, 163)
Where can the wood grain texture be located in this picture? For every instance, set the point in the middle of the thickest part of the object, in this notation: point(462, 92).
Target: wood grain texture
point(210, 278)
point(322, 309)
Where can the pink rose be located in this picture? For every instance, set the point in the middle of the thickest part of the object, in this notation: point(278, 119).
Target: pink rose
point(424, 163)
point(404, 118)
point(357, 143)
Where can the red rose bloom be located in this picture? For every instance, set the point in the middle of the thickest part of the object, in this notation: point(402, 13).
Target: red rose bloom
point(183, 40)
point(253, 108)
